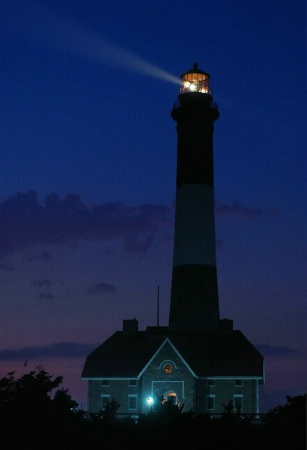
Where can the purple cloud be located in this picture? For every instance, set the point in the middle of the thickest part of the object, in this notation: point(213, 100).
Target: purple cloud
point(26, 222)
point(235, 208)
point(267, 350)
point(41, 283)
point(42, 256)
point(141, 246)
point(61, 349)
point(6, 267)
point(44, 296)
point(101, 287)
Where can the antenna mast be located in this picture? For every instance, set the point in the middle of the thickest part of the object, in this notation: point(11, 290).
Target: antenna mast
point(158, 304)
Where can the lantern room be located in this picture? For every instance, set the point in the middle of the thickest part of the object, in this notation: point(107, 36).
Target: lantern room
point(195, 80)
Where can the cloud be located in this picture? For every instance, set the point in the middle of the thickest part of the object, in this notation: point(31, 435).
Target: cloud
point(44, 296)
point(41, 283)
point(61, 349)
point(26, 222)
point(101, 287)
point(6, 267)
point(266, 350)
point(141, 246)
point(236, 209)
point(42, 256)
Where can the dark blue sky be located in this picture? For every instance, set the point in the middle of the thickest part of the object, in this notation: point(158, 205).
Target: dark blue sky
point(88, 162)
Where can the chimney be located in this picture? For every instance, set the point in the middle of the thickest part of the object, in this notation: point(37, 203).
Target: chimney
point(130, 327)
point(226, 326)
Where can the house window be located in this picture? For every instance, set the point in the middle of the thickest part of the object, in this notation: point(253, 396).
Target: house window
point(168, 368)
point(132, 382)
point(238, 402)
point(105, 382)
point(210, 382)
point(104, 400)
point(132, 402)
point(211, 402)
point(238, 383)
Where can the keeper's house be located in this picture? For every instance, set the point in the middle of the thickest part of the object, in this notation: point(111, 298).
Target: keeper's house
point(203, 371)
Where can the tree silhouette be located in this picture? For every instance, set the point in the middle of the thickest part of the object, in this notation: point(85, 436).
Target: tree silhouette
point(285, 425)
point(31, 416)
point(108, 413)
point(37, 413)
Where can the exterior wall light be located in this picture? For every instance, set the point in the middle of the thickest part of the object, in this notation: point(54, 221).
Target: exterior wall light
point(150, 401)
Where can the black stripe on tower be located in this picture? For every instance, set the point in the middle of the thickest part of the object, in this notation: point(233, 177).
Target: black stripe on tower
point(194, 298)
point(195, 118)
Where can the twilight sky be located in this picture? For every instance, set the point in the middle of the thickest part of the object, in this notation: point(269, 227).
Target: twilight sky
point(88, 163)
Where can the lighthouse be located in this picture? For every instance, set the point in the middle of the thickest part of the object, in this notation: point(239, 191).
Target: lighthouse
point(194, 296)
point(198, 360)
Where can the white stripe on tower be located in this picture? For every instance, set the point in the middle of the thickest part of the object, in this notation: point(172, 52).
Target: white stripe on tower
point(194, 241)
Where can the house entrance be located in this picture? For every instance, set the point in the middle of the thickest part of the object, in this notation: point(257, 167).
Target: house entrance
point(171, 397)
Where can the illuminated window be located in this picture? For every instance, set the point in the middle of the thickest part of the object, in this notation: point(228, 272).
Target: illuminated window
point(168, 368)
point(171, 396)
point(132, 402)
point(238, 402)
point(210, 402)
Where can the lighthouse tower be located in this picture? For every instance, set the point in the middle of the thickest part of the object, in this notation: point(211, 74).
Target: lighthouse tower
point(198, 360)
point(194, 298)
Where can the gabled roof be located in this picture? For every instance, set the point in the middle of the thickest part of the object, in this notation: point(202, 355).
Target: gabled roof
point(165, 342)
point(207, 354)
point(219, 354)
point(122, 355)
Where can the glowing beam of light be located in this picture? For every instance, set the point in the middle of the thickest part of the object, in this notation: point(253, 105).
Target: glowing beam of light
point(103, 50)
point(41, 26)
